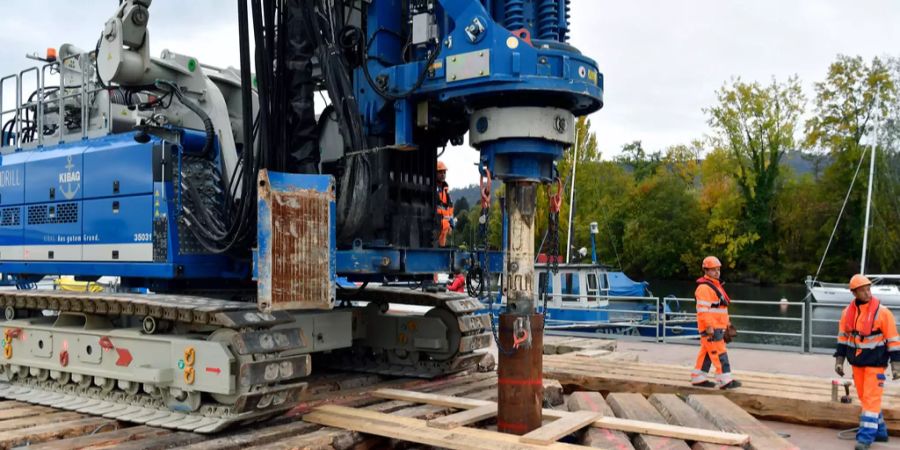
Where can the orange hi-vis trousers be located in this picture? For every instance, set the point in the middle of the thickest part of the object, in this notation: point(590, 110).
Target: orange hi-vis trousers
point(712, 352)
point(869, 383)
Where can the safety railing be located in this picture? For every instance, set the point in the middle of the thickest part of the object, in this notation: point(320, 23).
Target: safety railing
point(58, 87)
point(593, 315)
point(824, 320)
point(771, 325)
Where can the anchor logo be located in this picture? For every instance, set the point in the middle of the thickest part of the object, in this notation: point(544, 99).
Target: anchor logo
point(67, 178)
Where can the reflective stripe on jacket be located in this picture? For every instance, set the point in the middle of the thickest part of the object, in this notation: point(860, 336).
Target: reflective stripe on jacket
point(872, 347)
point(712, 308)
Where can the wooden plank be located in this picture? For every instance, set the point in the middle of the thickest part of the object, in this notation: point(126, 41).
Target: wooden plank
point(25, 411)
point(259, 436)
point(772, 403)
point(677, 412)
point(415, 430)
point(626, 425)
point(43, 433)
point(636, 407)
point(431, 399)
point(9, 404)
point(809, 386)
point(593, 436)
point(564, 426)
point(465, 417)
point(323, 438)
point(43, 419)
point(172, 440)
point(586, 344)
point(103, 439)
point(728, 416)
point(801, 385)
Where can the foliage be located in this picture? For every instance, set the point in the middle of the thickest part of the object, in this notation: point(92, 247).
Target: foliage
point(854, 101)
point(755, 125)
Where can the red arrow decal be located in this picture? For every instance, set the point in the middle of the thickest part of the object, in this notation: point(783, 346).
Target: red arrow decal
point(214, 370)
point(124, 357)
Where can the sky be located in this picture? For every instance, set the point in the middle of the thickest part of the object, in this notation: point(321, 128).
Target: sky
point(662, 60)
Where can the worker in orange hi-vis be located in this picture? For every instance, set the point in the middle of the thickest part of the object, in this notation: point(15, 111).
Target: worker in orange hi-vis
point(715, 327)
point(868, 339)
point(444, 205)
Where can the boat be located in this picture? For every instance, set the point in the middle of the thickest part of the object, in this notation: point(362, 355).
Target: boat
point(592, 298)
point(884, 286)
point(597, 299)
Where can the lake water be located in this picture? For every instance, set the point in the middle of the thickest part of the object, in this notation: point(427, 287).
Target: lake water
point(761, 323)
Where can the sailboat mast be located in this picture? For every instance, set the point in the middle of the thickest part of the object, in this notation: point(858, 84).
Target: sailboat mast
point(572, 198)
point(865, 245)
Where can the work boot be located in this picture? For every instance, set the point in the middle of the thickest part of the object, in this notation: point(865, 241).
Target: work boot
point(706, 384)
point(861, 446)
point(733, 384)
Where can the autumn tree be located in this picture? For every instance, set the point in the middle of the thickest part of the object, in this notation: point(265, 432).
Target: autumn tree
point(852, 104)
point(755, 124)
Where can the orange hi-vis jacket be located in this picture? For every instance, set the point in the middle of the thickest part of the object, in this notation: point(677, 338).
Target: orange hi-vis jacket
point(444, 205)
point(445, 212)
point(868, 335)
point(712, 304)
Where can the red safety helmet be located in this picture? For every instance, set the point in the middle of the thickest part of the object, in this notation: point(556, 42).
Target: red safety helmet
point(859, 280)
point(711, 262)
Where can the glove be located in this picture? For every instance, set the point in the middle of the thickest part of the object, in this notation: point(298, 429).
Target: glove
point(709, 331)
point(895, 370)
point(839, 365)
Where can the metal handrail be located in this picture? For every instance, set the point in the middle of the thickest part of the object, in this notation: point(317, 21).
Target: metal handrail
point(801, 335)
point(80, 66)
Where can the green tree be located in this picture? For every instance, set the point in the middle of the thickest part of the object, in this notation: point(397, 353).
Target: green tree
point(642, 164)
point(855, 99)
point(722, 204)
point(755, 124)
point(659, 238)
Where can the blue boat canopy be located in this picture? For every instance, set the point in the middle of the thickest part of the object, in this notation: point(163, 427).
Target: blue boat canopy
point(621, 285)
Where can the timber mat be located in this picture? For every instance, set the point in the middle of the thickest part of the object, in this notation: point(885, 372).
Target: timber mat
point(785, 398)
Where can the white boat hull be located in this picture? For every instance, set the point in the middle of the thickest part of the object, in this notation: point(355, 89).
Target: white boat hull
point(889, 295)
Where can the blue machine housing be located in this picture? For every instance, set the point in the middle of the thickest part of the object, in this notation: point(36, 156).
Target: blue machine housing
point(102, 206)
point(519, 51)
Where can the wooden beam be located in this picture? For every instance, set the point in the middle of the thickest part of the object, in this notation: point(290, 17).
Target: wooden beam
point(105, 439)
point(728, 416)
point(677, 412)
point(613, 423)
point(636, 407)
point(48, 432)
point(803, 400)
point(415, 430)
point(565, 426)
point(465, 417)
point(593, 436)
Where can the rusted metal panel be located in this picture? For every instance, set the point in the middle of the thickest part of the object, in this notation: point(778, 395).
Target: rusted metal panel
point(295, 263)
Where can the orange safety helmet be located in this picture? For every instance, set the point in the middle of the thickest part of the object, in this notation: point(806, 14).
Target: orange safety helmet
point(441, 167)
point(859, 280)
point(711, 262)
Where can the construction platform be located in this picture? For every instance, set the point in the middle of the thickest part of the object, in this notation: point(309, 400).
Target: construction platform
point(596, 394)
point(358, 411)
point(780, 397)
